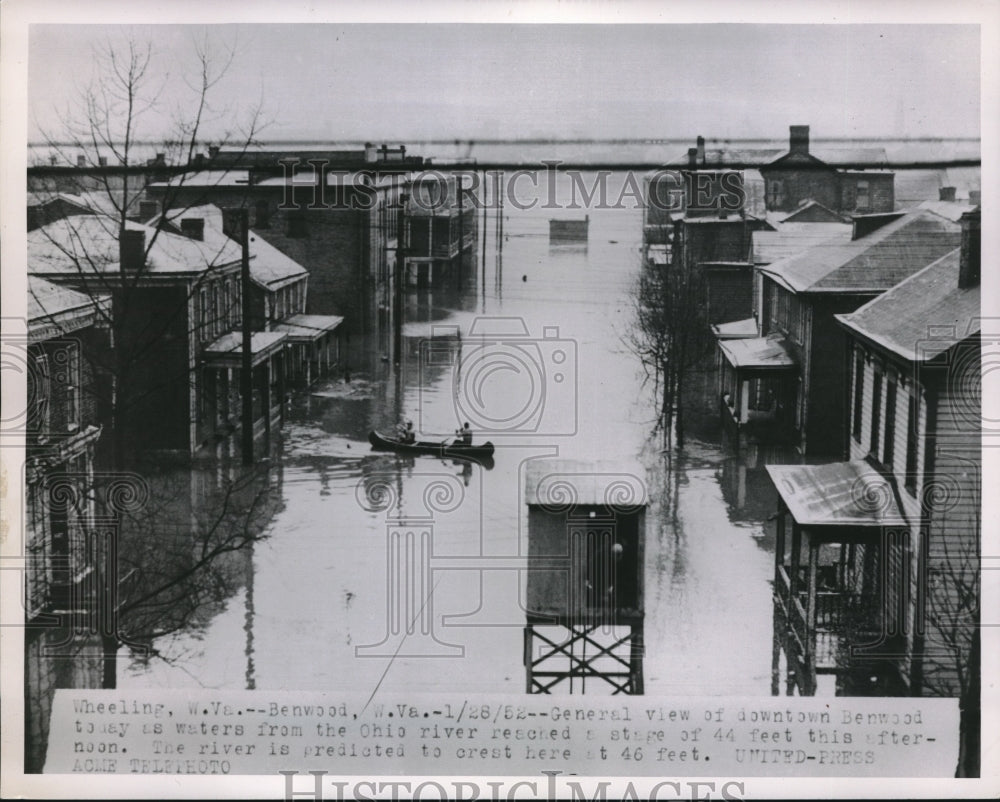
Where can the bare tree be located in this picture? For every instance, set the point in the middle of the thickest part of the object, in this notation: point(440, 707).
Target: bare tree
point(952, 648)
point(175, 559)
point(106, 130)
point(669, 319)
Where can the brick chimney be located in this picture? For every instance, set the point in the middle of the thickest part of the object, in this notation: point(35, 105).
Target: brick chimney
point(692, 157)
point(969, 258)
point(946, 193)
point(81, 160)
point(701, 149)
point(798, 139)
point(193, 228)
point(132, 251)
point(231, 223)
point(148, 209)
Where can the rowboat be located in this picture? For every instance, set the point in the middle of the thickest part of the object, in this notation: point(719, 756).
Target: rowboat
point(445, 450)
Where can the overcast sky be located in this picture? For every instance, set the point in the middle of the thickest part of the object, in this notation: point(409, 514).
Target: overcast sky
point(410, 82)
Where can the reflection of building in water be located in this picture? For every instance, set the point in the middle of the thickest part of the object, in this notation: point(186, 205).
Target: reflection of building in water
point(585, 606)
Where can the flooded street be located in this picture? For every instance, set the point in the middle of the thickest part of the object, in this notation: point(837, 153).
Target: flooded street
point(320, 609)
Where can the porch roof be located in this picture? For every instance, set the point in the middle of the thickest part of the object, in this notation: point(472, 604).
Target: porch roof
point(307, 328)
point(736, 330)
point(757, 353)
point(228, 349)
point(837, 494)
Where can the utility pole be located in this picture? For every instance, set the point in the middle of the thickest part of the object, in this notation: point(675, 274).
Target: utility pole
point(397, 294)
point(246, 371)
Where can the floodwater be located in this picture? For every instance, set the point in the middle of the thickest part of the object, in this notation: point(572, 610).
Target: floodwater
point(322, 608)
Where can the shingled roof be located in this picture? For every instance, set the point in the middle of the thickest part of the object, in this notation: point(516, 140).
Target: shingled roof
point(923, 316)
point(872, 263)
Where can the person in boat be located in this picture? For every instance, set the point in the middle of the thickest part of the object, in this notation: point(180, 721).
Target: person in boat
point(406, 433)
point(463, 436)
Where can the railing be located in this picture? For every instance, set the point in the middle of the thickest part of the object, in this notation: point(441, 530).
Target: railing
point(446, 250)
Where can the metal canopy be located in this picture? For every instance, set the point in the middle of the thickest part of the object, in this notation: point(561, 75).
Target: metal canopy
point(759, 353)
point(838, 494)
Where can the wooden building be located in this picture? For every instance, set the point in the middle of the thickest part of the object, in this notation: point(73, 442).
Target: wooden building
point(586, 545)
point(877, 559)
point(797, 298)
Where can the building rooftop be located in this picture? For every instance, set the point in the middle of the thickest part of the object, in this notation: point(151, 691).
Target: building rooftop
point(837, 494)
point(789, 239)
point(872, 263)
point(949, 210)
point(760, 353)
point(563, 483)
point(88, 246)
point(809, 210)
point(736, 330)
point(229, 347)
point(54, 310)
point(269, 267)
point(923, 316)
point(308, 327)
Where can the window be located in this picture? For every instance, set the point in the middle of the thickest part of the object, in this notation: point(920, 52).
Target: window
point(72, 387)
point(227, 304)
point(39, 393)
point(216, 310)
point(775, 193)
point(911, 445)
point(889, 444)
point(861, 198)
point(876, 414)
point(859, 390)
point(204, 314)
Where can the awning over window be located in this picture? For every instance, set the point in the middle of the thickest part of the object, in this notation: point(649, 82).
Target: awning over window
point(758, 353)
point(838, 494)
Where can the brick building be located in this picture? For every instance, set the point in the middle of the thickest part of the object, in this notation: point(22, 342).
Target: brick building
point(175, 309)
point(62, 428)
point(799, 176)
point(339, 220)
